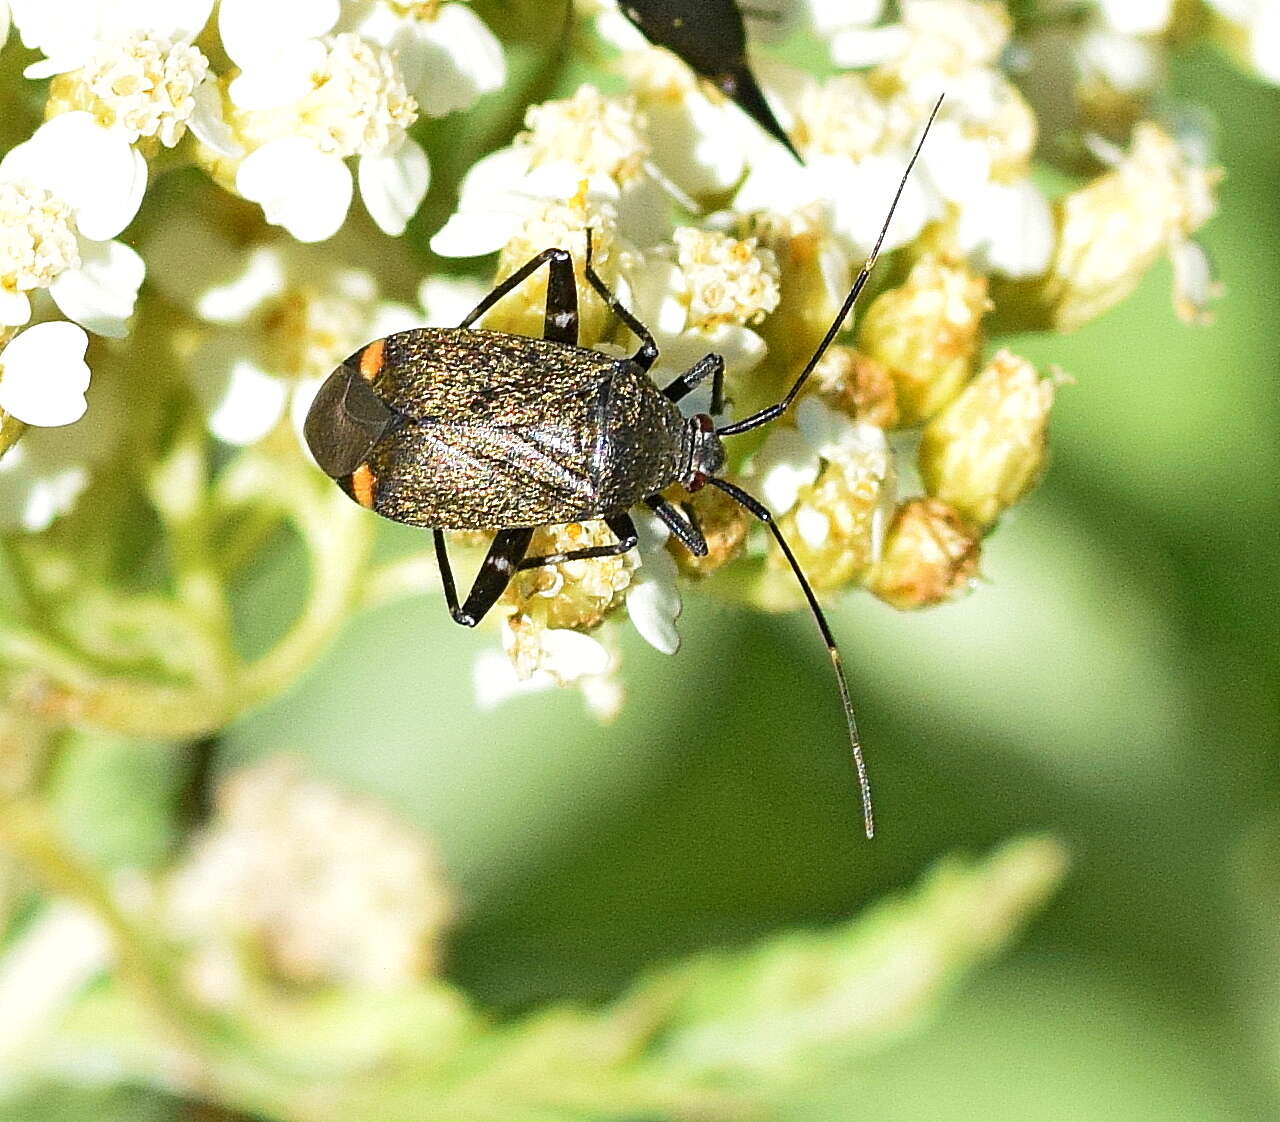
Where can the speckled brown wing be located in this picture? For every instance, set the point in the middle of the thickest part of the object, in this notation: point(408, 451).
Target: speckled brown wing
point(450, 375)
point(487, 475)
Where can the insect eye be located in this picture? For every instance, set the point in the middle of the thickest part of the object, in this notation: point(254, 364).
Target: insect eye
point(696, 481)
point(704, 422)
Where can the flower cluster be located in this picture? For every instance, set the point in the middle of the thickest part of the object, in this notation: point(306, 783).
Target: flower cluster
point(917, 429)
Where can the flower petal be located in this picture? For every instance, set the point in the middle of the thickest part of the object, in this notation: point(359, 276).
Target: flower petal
point(278, 77)
point(251, 29)
point(15, 307)
point(43, 374)
point(94, 170)
point(244, 403)
point(393, 185)
point(450, 61)
point(298, 187)
point(100, 295)
point(784, 464)
point(209, 124)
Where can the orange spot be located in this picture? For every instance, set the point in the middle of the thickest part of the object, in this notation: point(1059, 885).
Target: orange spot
point(371, 359)
point(362, 481)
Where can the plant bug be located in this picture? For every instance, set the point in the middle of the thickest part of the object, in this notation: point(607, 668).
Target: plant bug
point(458, 429)
point(711, 38)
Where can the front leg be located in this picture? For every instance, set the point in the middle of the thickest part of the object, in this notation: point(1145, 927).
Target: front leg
point(560, 322)
point(496, 570)
point(623, 529)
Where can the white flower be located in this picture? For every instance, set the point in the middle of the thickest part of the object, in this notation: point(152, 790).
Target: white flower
point(306, 109)
point(319, 886)
point(791, 459)
point(285, 316)
point(43, 374)
point(447, 54)
point(589, 146)
point(70, 32)
point(4, 22)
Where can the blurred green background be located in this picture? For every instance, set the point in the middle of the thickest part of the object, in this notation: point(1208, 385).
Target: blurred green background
point(1114, 681)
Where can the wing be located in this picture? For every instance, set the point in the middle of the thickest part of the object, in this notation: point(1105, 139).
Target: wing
point(450, 375)
point(482, 475)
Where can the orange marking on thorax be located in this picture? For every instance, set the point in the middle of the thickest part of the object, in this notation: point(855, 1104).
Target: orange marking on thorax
point(371, 359)
point(362, 481)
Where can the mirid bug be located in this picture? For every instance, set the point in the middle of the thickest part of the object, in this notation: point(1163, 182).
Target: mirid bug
point(710, 36)
point(457, 429)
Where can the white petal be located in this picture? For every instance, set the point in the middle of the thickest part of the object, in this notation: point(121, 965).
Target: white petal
point(1008, 229)
point(244, 402)
point(392, 185)
point(860, 194)
point(471, 234)
point(100, 295)
point(656, 288)
point(4, 21)
point(279, 76)
point(448, 300)
point(449, 62)
point(653, 598)
point(298, 187)
point(253, 28)
point(209, 124)
point(1195, 286)
point(95, 170)
point(783, 465)
point(570, 655)
point(15, 307)
point(494, 680)
point(43, 374)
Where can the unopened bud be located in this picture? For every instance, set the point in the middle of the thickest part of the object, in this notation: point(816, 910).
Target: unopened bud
point(1112, 231)
point(926, 332)
point(930, 555)
point(724, 525)
point(857, 386)
point(986, 449)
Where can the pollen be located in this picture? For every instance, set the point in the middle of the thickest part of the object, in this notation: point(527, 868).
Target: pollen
point(727, 280)
point(143, 84)
point(37, 237)
point(599, 135)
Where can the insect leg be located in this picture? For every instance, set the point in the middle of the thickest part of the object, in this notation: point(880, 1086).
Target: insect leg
point(648, 352)
point(496, 571)
point(623, 529)
point(561, 323)
point(681, 386)
point(756, 508)
point(684, 528)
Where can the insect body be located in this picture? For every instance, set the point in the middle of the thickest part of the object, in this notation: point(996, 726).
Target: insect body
point(456, 429)
point(710, 37)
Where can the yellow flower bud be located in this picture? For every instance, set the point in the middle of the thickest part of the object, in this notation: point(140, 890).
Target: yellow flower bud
point(857, 386)
point(724, 525)
point(1113, 230)
point(930, 555)
point(927, 332)
point(986, 449)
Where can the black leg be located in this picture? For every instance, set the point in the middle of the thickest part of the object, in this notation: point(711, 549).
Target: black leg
point(755, 507)
point(561, 323)
point(496, 571)
point(685, 529)
point(623, 529)
point(694, 376)
point(648, 352)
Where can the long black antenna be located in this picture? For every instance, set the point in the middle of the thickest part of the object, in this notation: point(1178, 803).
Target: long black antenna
point(753, 506)
point(764, 416)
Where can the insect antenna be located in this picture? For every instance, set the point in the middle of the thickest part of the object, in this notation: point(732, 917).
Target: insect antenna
point(772, 412)
point(756, 508)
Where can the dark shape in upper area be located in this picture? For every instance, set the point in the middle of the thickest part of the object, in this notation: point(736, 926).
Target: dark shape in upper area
point(710, 37)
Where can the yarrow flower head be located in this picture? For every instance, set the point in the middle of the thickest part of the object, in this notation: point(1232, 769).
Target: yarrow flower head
point(322, 887)
point(304, 102)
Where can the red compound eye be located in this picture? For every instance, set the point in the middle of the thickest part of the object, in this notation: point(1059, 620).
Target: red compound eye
point(696, 481)
point(704, 422)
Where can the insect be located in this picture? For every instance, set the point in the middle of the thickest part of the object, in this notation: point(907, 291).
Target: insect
point(458, 429)
point(710, 37)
